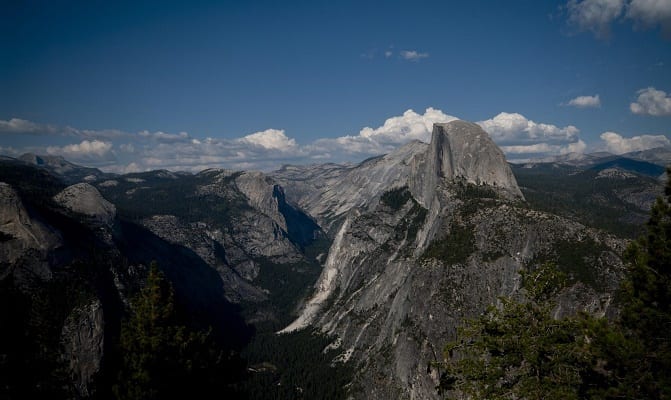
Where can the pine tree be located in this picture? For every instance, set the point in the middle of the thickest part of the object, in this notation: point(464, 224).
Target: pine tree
point(163, 359)
point(519, 351)
point(646, 313)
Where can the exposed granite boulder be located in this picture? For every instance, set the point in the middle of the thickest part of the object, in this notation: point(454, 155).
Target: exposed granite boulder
point(85, 199)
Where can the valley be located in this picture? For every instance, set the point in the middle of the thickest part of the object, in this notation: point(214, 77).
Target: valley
point(320, 281)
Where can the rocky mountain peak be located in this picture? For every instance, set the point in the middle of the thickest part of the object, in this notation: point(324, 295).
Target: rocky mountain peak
point(463, 150)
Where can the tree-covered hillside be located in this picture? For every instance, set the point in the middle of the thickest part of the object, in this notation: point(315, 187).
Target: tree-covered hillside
point(520, 350)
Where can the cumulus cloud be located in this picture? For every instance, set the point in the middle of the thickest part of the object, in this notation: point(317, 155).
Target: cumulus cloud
point(271, 148)
point(271, 139)
point(406, 127)
point(514, 128)
point(597, 16)
point(650, 13)
point(594, 15)
point(651, 102)
point(617, 144)
point(585, 102)
point(394, 132)
point(413, 55)
point(88, 151)
point(21, 126)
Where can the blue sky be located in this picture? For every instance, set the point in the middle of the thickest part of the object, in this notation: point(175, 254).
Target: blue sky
point(142, 85)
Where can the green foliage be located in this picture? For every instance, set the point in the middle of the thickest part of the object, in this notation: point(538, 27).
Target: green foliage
point(295, 366)
point(455, 248)
point(469, 191)
point(175, 196)
point(576, 259)
point(35, 185)
point(31, 365)
point(581, 196)
point(646, 313)
point(396, 198)
point(286, 284)
point(162, 359)
point(519, 351)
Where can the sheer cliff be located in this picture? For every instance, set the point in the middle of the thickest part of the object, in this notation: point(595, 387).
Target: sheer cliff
point(437, 242)
point(402, 248)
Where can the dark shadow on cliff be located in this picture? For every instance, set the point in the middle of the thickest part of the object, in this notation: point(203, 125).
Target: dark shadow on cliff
point(199, 293)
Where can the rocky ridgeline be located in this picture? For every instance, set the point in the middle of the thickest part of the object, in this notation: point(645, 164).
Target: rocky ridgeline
point(421, 238)
point(448, 238)
point(458, 150)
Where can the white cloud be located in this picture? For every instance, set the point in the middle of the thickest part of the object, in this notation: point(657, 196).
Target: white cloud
point(617, 144)
point(585, 101)
point(514, 128)
point(165, 137)
point(546, 148)
point(10, 151)
point(597, 16)
point(650, 13)
point(89, 151)
point(575, 147)
point(530, 148)
point(651, 102)
point(272, 139)
point(594, 15)
point(413, 55)
point(388, 53)
point(127, 147)
point(271, 148)
point(406, 127)
point(19, 126)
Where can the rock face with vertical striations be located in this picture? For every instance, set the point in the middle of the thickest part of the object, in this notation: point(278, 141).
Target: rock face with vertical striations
point(462, 150)
point(82, 345)
point(433, 234)
point(458, 150)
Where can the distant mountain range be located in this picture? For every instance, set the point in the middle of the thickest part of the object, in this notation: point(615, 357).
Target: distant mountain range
point(384, 258)
point(651, 162)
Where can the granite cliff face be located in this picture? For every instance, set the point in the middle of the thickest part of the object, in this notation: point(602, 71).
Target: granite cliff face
point(50, 278)
point(462, 150)
point(25, 240)
point(443, 237)
point(458, 151)
point(84, 199)
point(83, 344)
point(419, 239)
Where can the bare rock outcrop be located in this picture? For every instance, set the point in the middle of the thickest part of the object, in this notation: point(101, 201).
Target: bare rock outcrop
point(23, 237)
point(82, 341)
point(462, 150)
point(458, 150)
point(82, 198)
